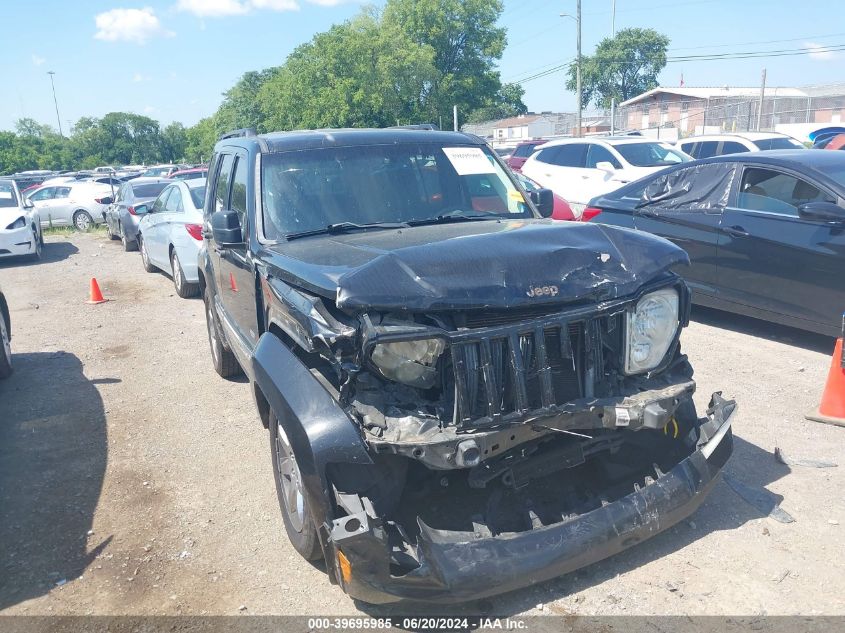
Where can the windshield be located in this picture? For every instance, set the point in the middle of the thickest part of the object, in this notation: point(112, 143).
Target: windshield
point(190, 175)
point(778, 142)
point(7, 195)
point(154, 172)
point(312, 189)
point(650, 154)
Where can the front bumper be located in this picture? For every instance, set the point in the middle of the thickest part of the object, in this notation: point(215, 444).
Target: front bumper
point(461, 570)
point(16, 242)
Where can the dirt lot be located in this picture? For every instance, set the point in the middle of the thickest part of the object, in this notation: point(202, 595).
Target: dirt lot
point(133, 480)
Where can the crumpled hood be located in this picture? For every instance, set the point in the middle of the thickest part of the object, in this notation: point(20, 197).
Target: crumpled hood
point(501, 264)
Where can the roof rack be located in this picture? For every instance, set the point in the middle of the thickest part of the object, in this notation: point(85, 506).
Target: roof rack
point(244, 131)
point(417, 126)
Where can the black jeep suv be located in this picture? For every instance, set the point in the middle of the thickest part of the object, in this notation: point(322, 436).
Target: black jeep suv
point(462, 397)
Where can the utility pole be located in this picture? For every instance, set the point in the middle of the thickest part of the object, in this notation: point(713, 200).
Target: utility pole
point(58, 118)
point(455, 117)
point(613, 98)
point(578, 68)
point(762, 96)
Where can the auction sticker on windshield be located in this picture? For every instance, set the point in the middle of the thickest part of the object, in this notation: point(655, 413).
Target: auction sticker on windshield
point(468, 160)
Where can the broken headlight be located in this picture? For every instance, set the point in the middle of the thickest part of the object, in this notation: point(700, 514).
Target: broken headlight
point(651, 326)
point(412, 362)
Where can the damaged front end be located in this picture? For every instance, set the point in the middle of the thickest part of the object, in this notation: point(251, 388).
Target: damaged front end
point(505, 447)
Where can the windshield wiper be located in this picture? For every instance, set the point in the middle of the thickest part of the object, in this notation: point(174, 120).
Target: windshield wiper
point(454, 217)
point(345, 227)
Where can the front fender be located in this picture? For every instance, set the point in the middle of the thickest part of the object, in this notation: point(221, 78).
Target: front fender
point(319, 430)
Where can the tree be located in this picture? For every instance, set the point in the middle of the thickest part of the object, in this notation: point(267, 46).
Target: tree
point(507, 103)
point(466, 42)
point(241, 107)
point(174, 141)
point(622, 67)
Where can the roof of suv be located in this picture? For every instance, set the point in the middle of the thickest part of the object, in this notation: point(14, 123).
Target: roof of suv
point(748, 136)
point(315, 139)
point(609, 140)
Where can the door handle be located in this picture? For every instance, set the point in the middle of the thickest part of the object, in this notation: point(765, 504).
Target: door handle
point(736, 231)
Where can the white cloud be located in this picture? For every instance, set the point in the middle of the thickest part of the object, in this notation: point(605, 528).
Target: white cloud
point(819, 51)
point(149, 109)
point(38, 61)
point(221, 8)
point(275, 5)
point(129, 25)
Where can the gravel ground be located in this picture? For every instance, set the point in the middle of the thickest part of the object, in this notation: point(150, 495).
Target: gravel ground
point(133, 480)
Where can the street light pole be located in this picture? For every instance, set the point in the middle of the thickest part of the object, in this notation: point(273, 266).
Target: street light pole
point(58, 118)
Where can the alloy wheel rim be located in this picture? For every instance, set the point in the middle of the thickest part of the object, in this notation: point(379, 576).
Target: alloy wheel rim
point(82, 221)
point(4, 339)
point(212, 331)
point(293, 499)
point(144, 255)
point(177, 272)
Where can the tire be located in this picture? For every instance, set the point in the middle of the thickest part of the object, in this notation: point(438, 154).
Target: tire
point(128, 245)
point(184, 289)
point(111, 235)
point(39, 244)
point(5, 349)
point(82, 221)
point(145, 258)
point(224, 361)
point(293, 503)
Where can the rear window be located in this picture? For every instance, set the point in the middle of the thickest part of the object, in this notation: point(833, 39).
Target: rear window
point(198, 196)
point(778, 142)
point(7, 195)
point(524, 151)
point(149, 190)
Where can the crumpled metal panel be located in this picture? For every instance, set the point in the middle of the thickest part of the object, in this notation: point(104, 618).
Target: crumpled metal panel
point(519, 263)
point(703, 187)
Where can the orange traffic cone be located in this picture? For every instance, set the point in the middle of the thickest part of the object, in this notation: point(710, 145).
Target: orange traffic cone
point(95, 296)
point(832, 408)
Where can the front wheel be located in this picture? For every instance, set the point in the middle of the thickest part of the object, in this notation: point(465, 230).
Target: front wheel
point(38, 240)
point(5, 349)
point(184, 288)
point(225, 363)
point(109, 233)
point(83, 221)
point(293, 503)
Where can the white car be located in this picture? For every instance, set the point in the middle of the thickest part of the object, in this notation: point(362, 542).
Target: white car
point(579, 169)
point(170, 233)
point(78, 203)
point(709, 145)
point(20, 226)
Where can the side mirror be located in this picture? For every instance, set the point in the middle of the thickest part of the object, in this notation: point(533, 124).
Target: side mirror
point(827, 211)
point(606, 166)
point(544, 200)
point(106, 200)
point(28, 204)
point(142, 209)
point(226, 228)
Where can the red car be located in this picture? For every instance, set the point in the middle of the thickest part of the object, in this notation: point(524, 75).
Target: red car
point(521, 153)
point(190, 174)
point(562, 210)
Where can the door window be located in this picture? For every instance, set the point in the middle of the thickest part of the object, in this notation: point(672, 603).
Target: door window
point(174, 202)
point(239, 188)
point(62, 192)
point(776, 192)
point(46, 193)
point(689, 148)
point(597, 154)
point(221, 187)
point(161, 202)
point(732, 147)
point(706, 149)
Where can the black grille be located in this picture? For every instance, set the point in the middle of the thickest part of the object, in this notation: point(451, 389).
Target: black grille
point(507, 371)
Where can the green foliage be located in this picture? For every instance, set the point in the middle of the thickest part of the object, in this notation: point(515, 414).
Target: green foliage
point(622, 67)
point(507, 103)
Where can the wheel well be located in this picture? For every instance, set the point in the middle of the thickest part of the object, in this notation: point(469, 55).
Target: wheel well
point(201, 276)
point(4, 314)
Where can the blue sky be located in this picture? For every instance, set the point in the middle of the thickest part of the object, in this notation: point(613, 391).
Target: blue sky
point(171, 59)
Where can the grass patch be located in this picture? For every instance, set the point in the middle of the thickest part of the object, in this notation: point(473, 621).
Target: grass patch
point(67, 231)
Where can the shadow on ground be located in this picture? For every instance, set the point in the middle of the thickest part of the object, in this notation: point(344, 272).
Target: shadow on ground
point(763, 329)
point(723, 510)
point(52, 252)
point(53, 452)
